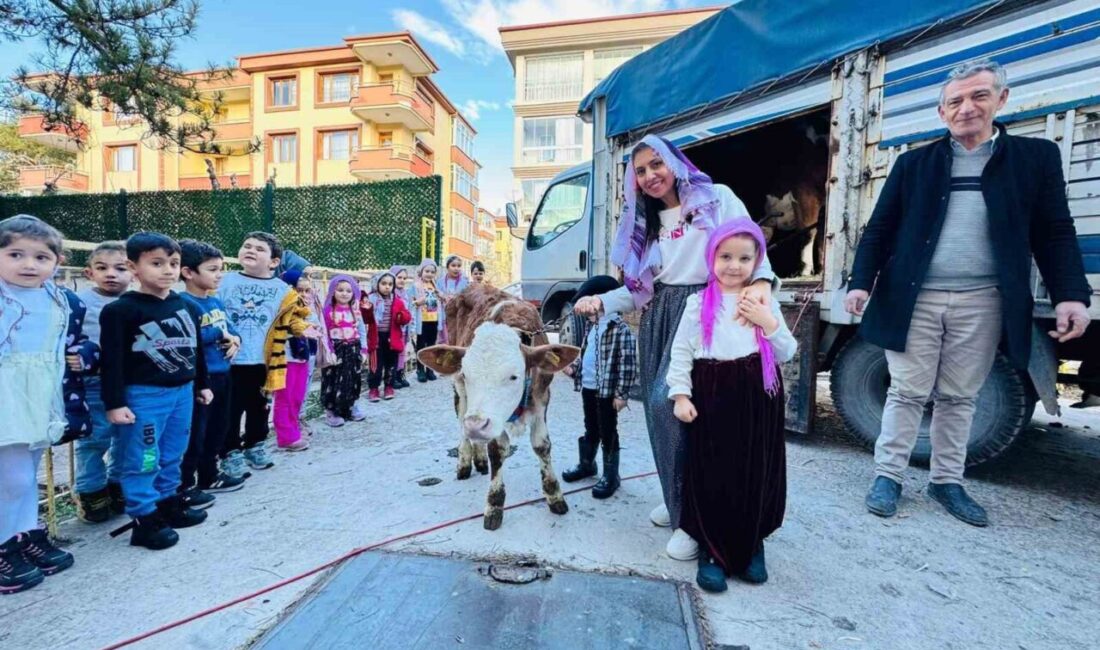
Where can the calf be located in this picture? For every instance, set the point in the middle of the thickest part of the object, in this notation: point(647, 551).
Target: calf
point(502, 365)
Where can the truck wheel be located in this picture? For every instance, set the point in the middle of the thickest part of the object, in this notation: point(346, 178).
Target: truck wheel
point(858, 384)
point(570, 327)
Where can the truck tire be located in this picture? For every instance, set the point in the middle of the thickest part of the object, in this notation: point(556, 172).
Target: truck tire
point(858, 384)
point(570, 327)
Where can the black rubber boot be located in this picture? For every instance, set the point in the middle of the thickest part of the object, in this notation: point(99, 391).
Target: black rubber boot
point(118, 501)
point(587, 465)
point(609, 482)
point(152, 532)
point(882, 499)
point(178, 515)
point(94, 507)
point(16, 573)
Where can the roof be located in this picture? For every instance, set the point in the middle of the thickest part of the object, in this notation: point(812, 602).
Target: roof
point(752, 43)
point(604, 19)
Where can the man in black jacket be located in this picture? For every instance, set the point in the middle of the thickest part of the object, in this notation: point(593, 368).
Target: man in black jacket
point(948, 253)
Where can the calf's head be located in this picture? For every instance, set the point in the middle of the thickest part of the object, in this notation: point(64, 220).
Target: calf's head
point(494, 371)
point(782, 212)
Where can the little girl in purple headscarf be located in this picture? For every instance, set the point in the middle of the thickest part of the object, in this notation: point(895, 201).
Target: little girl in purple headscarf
point(725, 381)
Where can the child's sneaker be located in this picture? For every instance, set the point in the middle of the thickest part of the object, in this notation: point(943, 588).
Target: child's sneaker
point(297, 445)
point(225, 483)
point(257, 458)
point(152, 532)
point(39, 551)
point(372, 396)
point(118, 501)
point(388, 395)
point(233, 465)
point(197, 499)
point(357, 414)
point(334, 420)
point(177, 514)
point(16, 573)
point(93, 507)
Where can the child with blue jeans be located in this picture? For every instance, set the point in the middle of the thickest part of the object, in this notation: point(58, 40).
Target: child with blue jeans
point(153, 372)
point(98, 492)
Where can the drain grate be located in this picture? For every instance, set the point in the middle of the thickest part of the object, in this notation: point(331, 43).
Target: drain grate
point(385, 601)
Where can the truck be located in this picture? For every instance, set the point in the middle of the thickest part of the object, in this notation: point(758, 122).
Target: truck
point(829, 94)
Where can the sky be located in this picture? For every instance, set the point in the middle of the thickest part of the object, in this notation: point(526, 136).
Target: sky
point(460, 35)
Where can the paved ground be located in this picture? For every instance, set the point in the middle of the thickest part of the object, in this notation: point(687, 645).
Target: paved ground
point(841, 578)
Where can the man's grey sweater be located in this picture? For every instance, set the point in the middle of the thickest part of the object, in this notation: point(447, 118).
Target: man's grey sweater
point(964, 260)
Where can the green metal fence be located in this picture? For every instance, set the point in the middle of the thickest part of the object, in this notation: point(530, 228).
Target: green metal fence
point(353, 226)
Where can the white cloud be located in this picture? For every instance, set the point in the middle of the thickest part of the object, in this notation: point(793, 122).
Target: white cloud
point(429, 30)
point(472, 108)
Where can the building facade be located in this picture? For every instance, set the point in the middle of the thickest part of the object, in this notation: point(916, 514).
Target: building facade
point(556, 65)
point(364, 110)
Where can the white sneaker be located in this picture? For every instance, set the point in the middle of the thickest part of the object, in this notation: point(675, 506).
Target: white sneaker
point(682, 546)
point(660, 516)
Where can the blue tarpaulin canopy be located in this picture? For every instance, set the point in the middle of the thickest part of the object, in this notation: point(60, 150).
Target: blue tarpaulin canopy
point(752, 43)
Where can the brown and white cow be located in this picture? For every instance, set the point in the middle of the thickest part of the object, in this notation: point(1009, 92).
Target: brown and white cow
point(502, 364)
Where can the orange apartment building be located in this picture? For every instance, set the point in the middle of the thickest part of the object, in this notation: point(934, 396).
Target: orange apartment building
point(365, 110)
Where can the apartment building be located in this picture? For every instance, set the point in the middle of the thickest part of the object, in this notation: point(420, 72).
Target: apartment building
point(364, 110)
point(555, 65)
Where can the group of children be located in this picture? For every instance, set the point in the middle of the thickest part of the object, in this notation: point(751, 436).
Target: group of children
point(152, 385)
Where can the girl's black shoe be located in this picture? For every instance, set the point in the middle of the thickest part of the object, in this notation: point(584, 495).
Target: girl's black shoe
point(757, 571)
point(152, 532)
point(39, 551)
point(710, 577)
point(16, 573)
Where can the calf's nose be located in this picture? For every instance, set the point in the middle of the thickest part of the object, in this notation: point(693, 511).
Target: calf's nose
point(477, 427)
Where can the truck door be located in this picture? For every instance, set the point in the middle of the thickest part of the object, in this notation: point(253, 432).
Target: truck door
point(557, 241)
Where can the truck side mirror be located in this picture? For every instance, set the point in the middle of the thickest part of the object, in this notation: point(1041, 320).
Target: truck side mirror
point(511, 215)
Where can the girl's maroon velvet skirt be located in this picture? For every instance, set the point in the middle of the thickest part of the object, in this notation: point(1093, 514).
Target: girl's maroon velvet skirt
point(735, 481)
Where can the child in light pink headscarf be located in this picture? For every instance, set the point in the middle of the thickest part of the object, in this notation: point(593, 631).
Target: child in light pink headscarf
point(724, 379)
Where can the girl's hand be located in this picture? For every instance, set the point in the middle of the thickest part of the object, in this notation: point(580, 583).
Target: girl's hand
point(761, 290)
point(567, 371)
point(619, 403)
point(74, 362)
point(757, 313)
point(588, 306)
point(205, 396)
point(121, 416)
point(367, 305)
point(684, 409)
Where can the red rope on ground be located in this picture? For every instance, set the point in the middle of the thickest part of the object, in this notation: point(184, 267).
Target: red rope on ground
point(347, 556)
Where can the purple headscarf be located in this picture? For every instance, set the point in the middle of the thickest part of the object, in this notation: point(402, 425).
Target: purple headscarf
point(641, 259)
point(712, 295)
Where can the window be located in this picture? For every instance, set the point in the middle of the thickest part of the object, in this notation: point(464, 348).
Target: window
point(385, 78)
point(284, 92)
point(562, 207)
point(284, 148)
point(604, 61)
point(124, 159)
point(338, 87)
point(553, 78)
point(339, 145)
point(464, 138)
point(552, 140)
point(533, 190)
point(463, 183)
point(385, 138)
point(462, 227)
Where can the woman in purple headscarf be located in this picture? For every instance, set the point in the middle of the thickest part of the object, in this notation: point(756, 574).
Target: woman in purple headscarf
point(669, 210)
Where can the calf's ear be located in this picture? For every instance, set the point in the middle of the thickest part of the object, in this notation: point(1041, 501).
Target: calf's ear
point(444, 359)
point(550, 358)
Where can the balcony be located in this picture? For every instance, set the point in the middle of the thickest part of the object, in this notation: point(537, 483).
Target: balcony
point(203, 182)
point(394, 103)
point(33, 179)
point(232, 131)
point(33, 127)
point(386, 163)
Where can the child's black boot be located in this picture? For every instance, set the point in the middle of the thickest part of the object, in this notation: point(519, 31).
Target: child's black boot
point(587, 465)
point(177, 514)
point(431, 374)
point(94, 507)
point(118, 501)
point(421, 375)
point(39, 551)
point(152, 532)
point(609, 482)
point(16, 573)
